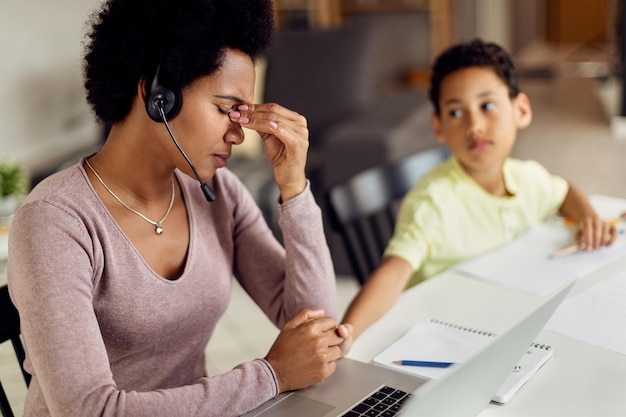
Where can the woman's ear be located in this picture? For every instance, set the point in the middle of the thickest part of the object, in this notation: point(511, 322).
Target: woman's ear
point(523, 111)
point(141, 89)
point(435, 122)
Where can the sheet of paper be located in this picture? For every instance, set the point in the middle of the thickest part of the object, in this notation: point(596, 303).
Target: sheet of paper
point(608, 207)
point(596, 315)
point(525, 264)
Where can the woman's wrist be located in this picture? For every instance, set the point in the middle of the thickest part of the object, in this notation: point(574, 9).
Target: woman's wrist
point(290, 191)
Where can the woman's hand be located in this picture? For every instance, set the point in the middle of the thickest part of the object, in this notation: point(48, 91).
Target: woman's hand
point(594, 233)
point(305, 351)
point(285, 140)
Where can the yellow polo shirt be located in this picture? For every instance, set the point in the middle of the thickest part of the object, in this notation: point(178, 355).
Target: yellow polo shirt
point(448, 218)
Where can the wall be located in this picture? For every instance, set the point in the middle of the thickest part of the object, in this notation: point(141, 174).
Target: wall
point(490, 20)
point(528, 24)
point(514, 24)
point(463, 20)
point(43, 114)
point(493, 21)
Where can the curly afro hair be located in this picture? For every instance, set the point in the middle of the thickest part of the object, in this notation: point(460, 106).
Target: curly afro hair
point(475, 53)
point(130, 38)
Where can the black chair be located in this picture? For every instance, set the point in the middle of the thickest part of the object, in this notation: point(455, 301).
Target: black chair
point(363, 208)
point(10, 330)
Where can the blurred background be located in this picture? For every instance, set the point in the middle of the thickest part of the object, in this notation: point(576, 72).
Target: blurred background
point(377, 45)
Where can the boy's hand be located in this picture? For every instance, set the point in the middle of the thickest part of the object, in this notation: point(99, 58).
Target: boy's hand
point(594, 233)
point(345, 331)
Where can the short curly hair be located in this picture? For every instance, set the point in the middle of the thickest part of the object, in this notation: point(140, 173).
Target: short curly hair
point(476, 53)
point(128, 39)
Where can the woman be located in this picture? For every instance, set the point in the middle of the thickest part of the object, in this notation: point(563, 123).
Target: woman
point(120, 267)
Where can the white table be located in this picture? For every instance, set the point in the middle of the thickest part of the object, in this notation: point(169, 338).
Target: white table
point(582, 380)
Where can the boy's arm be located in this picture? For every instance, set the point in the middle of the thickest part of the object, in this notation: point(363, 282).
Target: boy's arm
point(593, 232)
point(378, 294)
point(577, 206)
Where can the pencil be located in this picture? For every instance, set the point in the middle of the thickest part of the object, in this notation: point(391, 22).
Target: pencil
point(613, 222)
point(565, 251)
point(424, 363)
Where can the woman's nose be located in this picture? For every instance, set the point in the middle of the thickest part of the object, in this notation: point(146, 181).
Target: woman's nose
point(234, 135)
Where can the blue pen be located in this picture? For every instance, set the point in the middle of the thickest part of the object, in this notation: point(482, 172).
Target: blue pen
point(424, 363)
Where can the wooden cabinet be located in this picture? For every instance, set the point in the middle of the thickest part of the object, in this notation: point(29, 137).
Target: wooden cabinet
point(577, 21)
point(318, 14)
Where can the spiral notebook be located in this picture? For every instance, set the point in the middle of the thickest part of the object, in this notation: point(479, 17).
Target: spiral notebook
point(438, 341)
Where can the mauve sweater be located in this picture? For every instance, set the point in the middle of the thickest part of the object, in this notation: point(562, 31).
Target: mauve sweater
point(106, 336)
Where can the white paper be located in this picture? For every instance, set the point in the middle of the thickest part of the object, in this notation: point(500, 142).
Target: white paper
point(525, 263)
point(608, 207)
point(435, 342)
point(596, 315)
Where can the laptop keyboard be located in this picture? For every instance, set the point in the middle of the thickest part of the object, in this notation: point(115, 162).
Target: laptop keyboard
point(385, 402)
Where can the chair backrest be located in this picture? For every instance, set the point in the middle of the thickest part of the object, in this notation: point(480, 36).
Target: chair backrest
point(10, 330)
point(363, 208)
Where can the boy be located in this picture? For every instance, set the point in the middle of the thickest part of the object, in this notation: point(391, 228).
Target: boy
point(479, 198)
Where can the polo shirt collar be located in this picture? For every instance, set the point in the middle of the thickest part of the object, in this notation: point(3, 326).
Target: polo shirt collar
point(509, 179)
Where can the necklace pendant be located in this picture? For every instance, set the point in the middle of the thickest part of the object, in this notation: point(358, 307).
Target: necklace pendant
point(157, 225)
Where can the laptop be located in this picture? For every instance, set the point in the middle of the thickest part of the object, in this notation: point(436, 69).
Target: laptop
point(464, 390)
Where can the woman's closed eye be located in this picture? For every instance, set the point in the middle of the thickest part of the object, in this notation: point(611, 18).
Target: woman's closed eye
point(224, 110)
point(227, 110)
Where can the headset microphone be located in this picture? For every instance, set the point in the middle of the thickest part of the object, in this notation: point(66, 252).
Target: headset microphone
point(208, 193)
point(162, 103)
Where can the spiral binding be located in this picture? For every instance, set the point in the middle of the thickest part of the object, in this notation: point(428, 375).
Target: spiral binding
point(541, 346)
point(482, 332)
point(463, 328)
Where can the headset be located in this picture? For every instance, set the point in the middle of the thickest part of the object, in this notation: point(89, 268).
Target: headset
point(160, 98)
point(163, 104)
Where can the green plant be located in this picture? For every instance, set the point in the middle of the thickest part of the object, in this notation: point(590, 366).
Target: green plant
point(13, 179)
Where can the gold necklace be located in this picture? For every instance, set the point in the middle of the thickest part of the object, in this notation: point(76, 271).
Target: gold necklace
point(158, 228)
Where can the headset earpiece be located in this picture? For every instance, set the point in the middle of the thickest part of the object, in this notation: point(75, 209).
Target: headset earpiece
point(158, 95)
